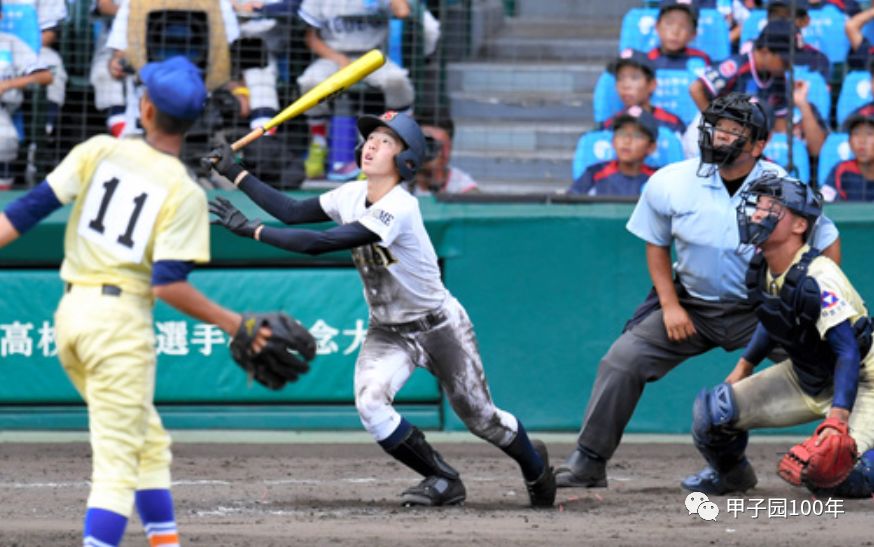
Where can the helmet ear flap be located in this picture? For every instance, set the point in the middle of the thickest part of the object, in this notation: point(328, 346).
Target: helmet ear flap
point(407, 163)
point(358, 151)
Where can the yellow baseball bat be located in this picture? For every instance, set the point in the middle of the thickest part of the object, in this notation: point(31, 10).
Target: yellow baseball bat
point(337, 83)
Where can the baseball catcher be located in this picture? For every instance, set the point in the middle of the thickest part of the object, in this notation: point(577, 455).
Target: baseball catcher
point(284, 356)
point(807, 307)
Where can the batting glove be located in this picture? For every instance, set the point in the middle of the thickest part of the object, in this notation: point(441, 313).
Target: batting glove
point(231, 218)
point(223, 160)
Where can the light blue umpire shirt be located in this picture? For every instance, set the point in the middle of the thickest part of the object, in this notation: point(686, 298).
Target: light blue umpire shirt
point(698, 216)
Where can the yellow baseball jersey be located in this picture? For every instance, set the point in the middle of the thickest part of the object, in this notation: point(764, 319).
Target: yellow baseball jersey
point(839, 300)
point(134, 205)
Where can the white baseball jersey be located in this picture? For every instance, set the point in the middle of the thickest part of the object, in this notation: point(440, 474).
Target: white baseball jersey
point(348, 25)
point(400, 273)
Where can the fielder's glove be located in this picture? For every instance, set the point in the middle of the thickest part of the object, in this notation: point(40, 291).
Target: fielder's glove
point(286, 355)
point(823, 466)
point(224, 161)
point(231, 218)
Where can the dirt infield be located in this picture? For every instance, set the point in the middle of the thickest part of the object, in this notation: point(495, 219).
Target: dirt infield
point(347, 494)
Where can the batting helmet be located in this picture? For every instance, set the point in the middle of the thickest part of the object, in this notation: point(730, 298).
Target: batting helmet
point(411, 158)
point(791, 193)
point(743, 108)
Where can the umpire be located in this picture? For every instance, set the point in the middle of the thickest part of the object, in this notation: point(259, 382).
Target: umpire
point(699, 302)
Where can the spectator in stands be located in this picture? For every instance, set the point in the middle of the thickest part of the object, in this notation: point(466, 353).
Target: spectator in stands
point(108, 91)
point(635, 84)
point(51, 13)
point(20, 68)
point(437, 174)
point(676, 26)
point(259, 78)
point(805, 54)
point(861, 49)
point(634, 138)
point(809, 125)
point(757, 70)
point(740, 12)
point(853, 180)
point(850, 7)
point(338, 33)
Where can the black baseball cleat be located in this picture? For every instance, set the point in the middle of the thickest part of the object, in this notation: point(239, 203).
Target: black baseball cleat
point(581, 470)
point(740, 478)
point(541, 491)
point(435, 491)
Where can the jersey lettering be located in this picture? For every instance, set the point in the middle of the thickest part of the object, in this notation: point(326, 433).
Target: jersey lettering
point(119, 212)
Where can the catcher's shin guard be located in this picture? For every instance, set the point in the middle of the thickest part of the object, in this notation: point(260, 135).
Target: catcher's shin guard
point(415, 452)
point(713, 415)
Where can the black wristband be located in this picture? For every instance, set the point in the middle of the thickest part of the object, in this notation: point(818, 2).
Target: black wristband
point(233, 172)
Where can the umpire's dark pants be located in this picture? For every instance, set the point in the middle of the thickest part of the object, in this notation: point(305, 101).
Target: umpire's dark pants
point(643, 353)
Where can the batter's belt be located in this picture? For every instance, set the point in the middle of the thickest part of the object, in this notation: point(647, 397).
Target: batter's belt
point(422, 324)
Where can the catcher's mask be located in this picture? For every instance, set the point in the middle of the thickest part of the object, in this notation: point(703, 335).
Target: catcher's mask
point(413, 155)
point(742, 108)
point(786, 193)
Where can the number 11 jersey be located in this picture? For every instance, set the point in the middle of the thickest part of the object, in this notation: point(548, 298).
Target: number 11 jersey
point(133, 206)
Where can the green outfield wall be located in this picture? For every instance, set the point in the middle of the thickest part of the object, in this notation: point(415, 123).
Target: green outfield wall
point(548, 288)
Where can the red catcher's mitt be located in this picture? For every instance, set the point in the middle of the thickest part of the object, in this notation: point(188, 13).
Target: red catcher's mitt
point(823, 466)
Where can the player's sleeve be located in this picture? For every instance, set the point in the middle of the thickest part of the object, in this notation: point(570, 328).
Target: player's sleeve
point(314, 242)
point(651, 218)
point(387, 216)
point(842, 340)
point(835, 307)
point(182, 229)
point(27, 211)
point(330, 201)
point(759, 346)
point(280, 205)
point(720, 78)
point(584, 183)
point(76, 169)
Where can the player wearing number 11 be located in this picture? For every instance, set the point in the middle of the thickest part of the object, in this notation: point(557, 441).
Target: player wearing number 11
point(138, 225)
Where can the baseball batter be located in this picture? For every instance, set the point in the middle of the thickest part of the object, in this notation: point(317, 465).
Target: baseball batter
point(807, 306)
point(414, 320)
point(137, 227)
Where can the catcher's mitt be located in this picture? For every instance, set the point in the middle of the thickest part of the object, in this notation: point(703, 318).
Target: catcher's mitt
point(286, 355)
point(823, 466)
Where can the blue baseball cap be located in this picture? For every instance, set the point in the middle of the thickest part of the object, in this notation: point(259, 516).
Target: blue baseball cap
point(175, 86)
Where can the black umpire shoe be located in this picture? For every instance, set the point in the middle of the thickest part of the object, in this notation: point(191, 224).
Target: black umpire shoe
point(434, 491)
point(581, 469)
point(541, 492)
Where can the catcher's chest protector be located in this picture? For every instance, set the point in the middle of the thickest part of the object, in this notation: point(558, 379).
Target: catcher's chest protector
point(218, 66)
point(790, 317)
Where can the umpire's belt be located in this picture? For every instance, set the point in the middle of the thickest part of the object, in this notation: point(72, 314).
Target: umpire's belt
point(419, 325)
point(107, 290)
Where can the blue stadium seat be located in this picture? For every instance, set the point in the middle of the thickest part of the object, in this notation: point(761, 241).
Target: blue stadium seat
point(753, 25)
point(818, 93)
point(638, 29)
point(712, 35)
point(20, 19)
point(597, 146)
point(672, 93)
point(855, 92)
point(835, 149)
point(606, 100)
point(826, 33)
point(777, 151)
